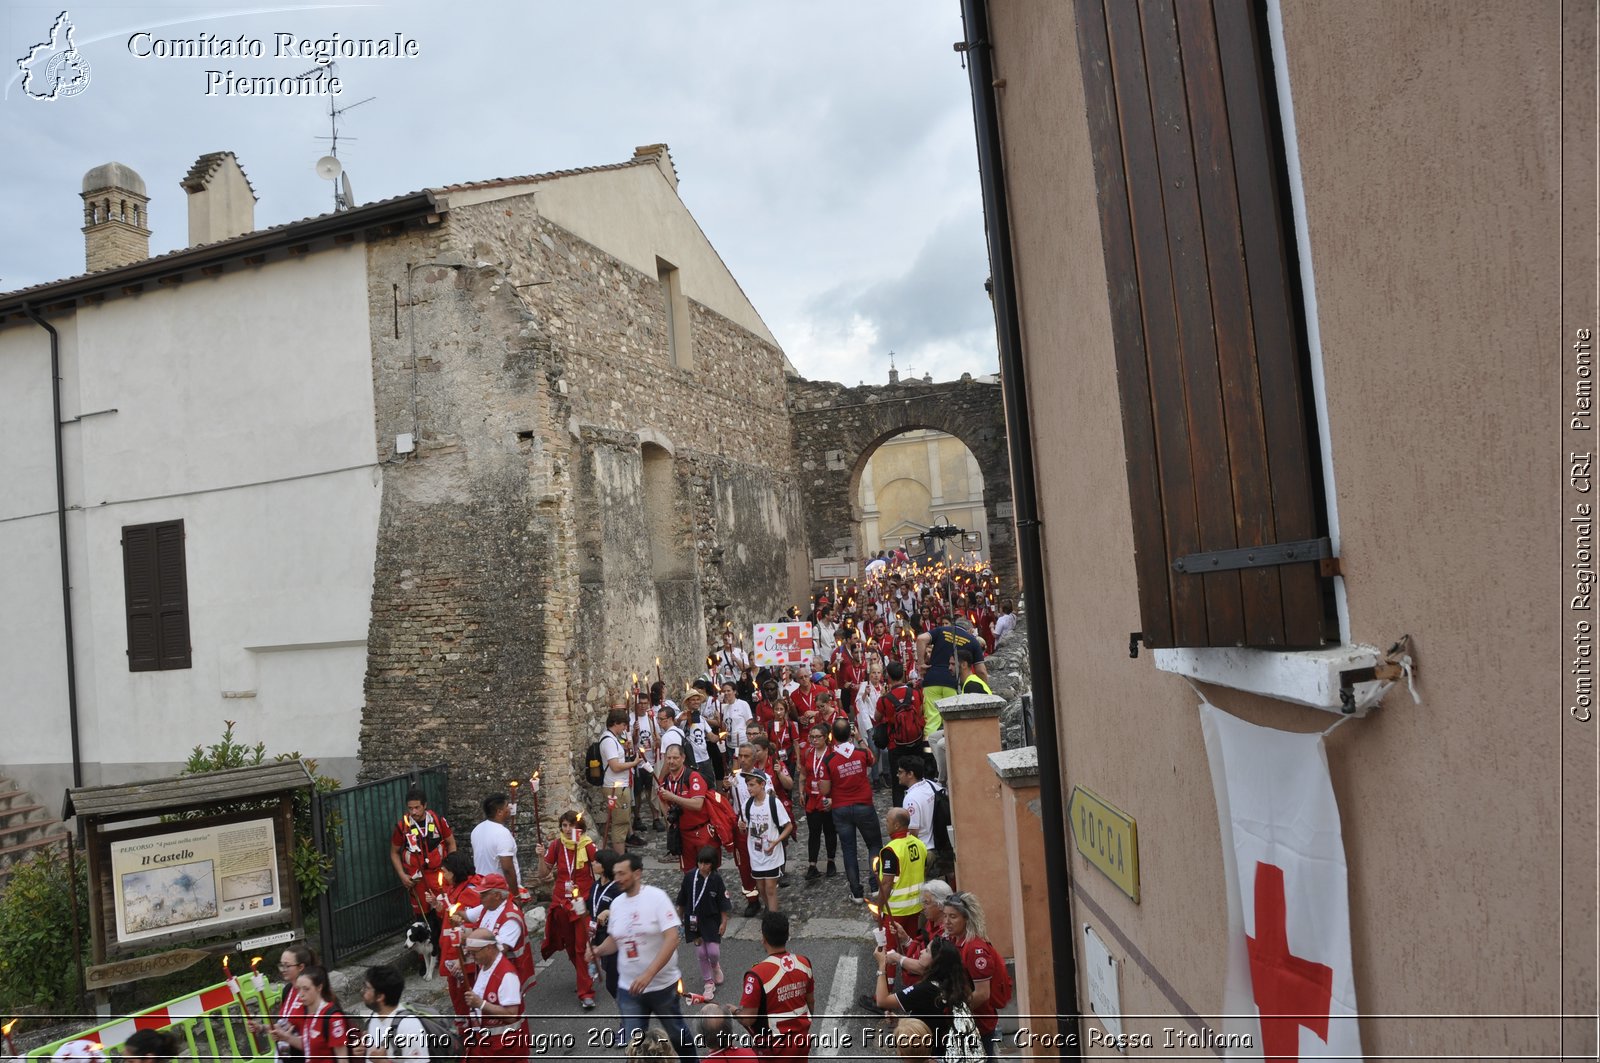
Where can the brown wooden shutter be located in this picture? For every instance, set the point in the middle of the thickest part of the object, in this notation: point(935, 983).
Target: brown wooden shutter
point(1209, 349)
point(139, 579)
point(156, 580)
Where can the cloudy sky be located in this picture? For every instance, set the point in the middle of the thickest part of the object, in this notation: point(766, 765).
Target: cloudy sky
point(825, 147)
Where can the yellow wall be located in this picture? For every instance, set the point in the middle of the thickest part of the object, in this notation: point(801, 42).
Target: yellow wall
point(900, 493)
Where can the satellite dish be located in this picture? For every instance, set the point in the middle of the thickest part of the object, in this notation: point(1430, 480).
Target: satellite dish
point(344, 185)
point(328, 167)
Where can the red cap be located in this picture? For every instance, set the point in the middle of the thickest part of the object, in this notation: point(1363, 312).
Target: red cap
point(493, 882)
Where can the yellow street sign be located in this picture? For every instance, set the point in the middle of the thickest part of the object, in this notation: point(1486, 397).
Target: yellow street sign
point(1108, 838)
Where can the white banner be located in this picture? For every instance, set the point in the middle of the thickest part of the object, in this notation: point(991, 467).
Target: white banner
point(1290, 989)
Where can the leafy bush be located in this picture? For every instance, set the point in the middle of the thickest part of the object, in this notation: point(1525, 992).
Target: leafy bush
point(37, 970)
point(311, 866)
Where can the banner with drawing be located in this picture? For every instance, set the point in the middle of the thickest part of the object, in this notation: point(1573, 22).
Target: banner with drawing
point(788, 643)
point(194, 879)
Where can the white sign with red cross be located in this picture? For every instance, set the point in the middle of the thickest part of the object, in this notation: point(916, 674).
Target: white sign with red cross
point(786, 643)
point(1290, 989)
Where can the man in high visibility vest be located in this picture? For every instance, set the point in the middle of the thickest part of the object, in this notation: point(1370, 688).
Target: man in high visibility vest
point(971, 681)
point(902, 867)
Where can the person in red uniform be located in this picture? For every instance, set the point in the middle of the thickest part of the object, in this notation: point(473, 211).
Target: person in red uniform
point(685, 790)
point(963, 925)
point(784, 734)
point(497, 1019)
point(570, 860)
point(325, 1031)
point(849, 667)
point(459, 907)
point(290, 1017)
point(819, 821)
point(779, 994)
point(502, 918)
point(417, 847)
point(803, 699)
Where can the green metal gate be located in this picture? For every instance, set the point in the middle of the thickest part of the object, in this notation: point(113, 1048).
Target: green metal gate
point(365, 902)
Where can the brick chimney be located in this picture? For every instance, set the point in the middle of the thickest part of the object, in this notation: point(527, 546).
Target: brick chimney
point(116, 220)
point(221, 201)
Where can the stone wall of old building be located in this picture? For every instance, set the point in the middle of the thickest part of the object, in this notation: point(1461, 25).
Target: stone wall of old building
point(577, 505)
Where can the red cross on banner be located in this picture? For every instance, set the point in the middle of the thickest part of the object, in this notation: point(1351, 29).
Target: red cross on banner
point(1290, 992)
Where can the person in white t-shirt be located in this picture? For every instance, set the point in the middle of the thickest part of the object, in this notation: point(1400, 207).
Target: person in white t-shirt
point(767, 826)
point(1007, 621)
point(645, 930)
point(617, 783)
point(494, 847)
point(392, 1032)
point(736, 715)
point(918, 800)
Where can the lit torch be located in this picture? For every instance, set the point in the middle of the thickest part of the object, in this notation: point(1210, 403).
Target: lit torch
point(693, 998)
point(5, 1031)
point(538, 829)
point(658, 671)
point(511, 805)
point(227, 976)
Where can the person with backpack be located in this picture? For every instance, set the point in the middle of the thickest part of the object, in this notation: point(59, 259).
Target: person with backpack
point(392, 1034)
point(929, 806)
point(779, 995)
point(326, 1032)
point(767, 825)
point(684, 793)
point(900, 721)
point(991, 982)
point(941, 999)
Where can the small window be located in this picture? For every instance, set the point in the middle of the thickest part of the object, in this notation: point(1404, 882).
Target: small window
point(676, 304)
point(157, 588)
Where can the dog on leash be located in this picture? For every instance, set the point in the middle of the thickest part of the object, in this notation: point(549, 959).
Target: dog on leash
point(419, 939)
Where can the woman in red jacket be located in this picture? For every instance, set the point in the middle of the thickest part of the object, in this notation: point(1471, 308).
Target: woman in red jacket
point(459, 907)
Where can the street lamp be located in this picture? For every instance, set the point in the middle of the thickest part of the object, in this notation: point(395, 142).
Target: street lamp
point(942, 530)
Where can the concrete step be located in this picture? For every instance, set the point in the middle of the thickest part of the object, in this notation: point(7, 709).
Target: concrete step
point(27, 830)
point(14, 853)
point(17, 814)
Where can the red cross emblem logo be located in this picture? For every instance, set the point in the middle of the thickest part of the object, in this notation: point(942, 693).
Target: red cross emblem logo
point(1290, 991)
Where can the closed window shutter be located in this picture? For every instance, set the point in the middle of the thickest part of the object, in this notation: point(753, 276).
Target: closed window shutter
point(172, 596)
point(1209, 348)
point(139, 579)
point(156, 581)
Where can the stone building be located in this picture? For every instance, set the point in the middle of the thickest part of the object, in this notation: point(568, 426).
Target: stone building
point(437, 475)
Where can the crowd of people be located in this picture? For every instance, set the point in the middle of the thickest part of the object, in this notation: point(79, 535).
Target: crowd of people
point(728, 773)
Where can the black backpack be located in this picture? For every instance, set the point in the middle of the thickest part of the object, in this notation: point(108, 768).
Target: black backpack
point(594, 766)
point(941, 820)
point(444, 1044)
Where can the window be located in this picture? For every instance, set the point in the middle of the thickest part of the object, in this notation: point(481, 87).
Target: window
point(1205, 311)
point(679, 350)
point(157, 596)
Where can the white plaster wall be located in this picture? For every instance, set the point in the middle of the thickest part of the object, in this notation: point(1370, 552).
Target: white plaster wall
point(635, 214)
point(244, 408)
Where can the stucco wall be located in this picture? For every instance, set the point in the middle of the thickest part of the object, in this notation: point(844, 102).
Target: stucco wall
point(240, 405)
point(1429, 140)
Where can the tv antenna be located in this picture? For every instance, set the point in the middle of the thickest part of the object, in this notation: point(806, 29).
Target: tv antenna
point(329, 168)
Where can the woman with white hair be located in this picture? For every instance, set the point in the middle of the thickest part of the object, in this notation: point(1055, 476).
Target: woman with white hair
point(911, 954)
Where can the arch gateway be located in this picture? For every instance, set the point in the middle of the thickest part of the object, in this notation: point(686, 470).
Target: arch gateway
point(836, 429)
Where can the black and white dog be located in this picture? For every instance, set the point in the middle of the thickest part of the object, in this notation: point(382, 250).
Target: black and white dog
point(419, 939)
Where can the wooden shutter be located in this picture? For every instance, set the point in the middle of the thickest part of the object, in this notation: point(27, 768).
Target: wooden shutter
point(156, 582)
point(1209, 347)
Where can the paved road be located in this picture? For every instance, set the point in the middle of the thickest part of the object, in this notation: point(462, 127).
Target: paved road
point(832, 931)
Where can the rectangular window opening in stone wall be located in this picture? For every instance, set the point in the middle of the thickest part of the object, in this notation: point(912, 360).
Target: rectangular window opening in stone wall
point(663, 516)
point(680, 350)
point(156, 584)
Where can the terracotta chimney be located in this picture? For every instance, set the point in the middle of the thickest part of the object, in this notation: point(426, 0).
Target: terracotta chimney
point(663, 159)
point(221, 201)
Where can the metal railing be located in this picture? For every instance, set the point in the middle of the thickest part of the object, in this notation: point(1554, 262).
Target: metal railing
point(364, 901)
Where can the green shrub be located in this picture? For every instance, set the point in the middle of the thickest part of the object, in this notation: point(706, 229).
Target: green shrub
point(311, 866)
point(37, 970)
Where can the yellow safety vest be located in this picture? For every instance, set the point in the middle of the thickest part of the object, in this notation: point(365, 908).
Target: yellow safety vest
point(912, 857)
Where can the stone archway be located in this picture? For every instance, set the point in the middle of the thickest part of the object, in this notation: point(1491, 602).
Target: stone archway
point(836, 429)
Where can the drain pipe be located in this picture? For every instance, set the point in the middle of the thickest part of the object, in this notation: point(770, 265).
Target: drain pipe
point(1030, 554)
point(61, 529)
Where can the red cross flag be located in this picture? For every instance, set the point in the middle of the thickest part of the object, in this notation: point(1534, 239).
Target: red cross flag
point(787, 643)
point(1290, 991)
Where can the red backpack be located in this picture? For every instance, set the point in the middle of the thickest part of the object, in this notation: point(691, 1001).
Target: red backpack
point(905, 719)
point(724, 821)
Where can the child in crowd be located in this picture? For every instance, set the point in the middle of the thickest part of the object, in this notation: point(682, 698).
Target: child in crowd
point(703, 902)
